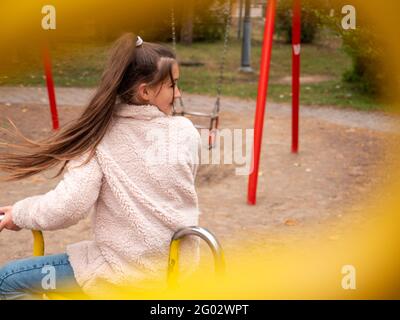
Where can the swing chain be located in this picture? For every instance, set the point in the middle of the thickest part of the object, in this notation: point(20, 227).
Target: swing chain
point(223, 58)
point(227, 12)
point(174, 45)
point(173, 27)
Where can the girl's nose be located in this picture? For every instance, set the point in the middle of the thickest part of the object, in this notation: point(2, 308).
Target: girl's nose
point(177, 93)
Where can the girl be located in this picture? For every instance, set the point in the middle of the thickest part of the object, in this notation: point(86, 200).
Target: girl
point(131, 162)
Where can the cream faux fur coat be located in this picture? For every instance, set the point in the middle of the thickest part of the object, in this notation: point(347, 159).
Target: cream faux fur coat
point(140, 187)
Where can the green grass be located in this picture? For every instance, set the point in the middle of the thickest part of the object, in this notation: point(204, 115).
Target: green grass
point(316, 61)
point(74, 65)
point(80, 65)
point(329, 93)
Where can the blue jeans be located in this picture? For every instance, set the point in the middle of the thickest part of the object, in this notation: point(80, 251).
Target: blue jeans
point(29, 279)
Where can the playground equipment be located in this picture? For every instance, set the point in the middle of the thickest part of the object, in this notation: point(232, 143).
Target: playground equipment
point(173, 261)
point(263, 89)
point(50, 87)
point(219, 260)
point(212, 116)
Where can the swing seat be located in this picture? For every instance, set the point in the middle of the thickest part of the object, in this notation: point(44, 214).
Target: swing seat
point(214, 115)
point(212, 133)
point(212, 127)
point(198, 114)
point(213, 124)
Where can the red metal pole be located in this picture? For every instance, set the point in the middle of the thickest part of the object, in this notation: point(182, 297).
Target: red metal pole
point(50, 86)
point(296, 48)
point(261, 99)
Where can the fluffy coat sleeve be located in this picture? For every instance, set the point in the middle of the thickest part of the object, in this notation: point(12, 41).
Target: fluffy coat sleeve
point(68, 203)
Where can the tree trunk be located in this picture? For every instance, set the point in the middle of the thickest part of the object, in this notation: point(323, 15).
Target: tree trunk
point(187, 22)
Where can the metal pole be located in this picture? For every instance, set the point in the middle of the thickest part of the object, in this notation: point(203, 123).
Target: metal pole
point(246, 44)
point(261, 99)
point(38, 243)
point(296, 43)
point(240, 20)
point(50, 86)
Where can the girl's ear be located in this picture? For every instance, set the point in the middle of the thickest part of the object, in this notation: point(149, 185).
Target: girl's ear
point(143, 92)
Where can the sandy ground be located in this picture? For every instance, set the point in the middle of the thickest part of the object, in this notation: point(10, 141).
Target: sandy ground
point(323, 186)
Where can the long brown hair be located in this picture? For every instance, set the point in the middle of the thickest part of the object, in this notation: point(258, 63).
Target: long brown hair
point(127, 67)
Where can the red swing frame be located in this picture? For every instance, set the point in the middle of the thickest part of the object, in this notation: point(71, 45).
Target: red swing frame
point(263, 89)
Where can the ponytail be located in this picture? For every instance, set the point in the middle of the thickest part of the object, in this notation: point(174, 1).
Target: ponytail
point(80, 136)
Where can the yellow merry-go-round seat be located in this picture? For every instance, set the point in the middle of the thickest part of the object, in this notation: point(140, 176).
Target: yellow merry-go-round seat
point(173, 271)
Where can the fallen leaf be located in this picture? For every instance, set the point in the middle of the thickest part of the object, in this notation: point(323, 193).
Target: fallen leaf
point(291, 222)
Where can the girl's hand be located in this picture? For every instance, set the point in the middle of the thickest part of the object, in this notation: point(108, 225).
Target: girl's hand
point(6, 221)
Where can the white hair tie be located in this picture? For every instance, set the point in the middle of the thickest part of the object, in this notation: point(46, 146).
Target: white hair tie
point(139, 41)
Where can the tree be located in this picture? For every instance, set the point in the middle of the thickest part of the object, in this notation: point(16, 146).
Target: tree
point(187, 22)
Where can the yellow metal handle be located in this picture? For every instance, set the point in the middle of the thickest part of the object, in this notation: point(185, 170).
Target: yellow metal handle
point(208, 237)
point(38, 243)
point(173, 266)
point(38, 250)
